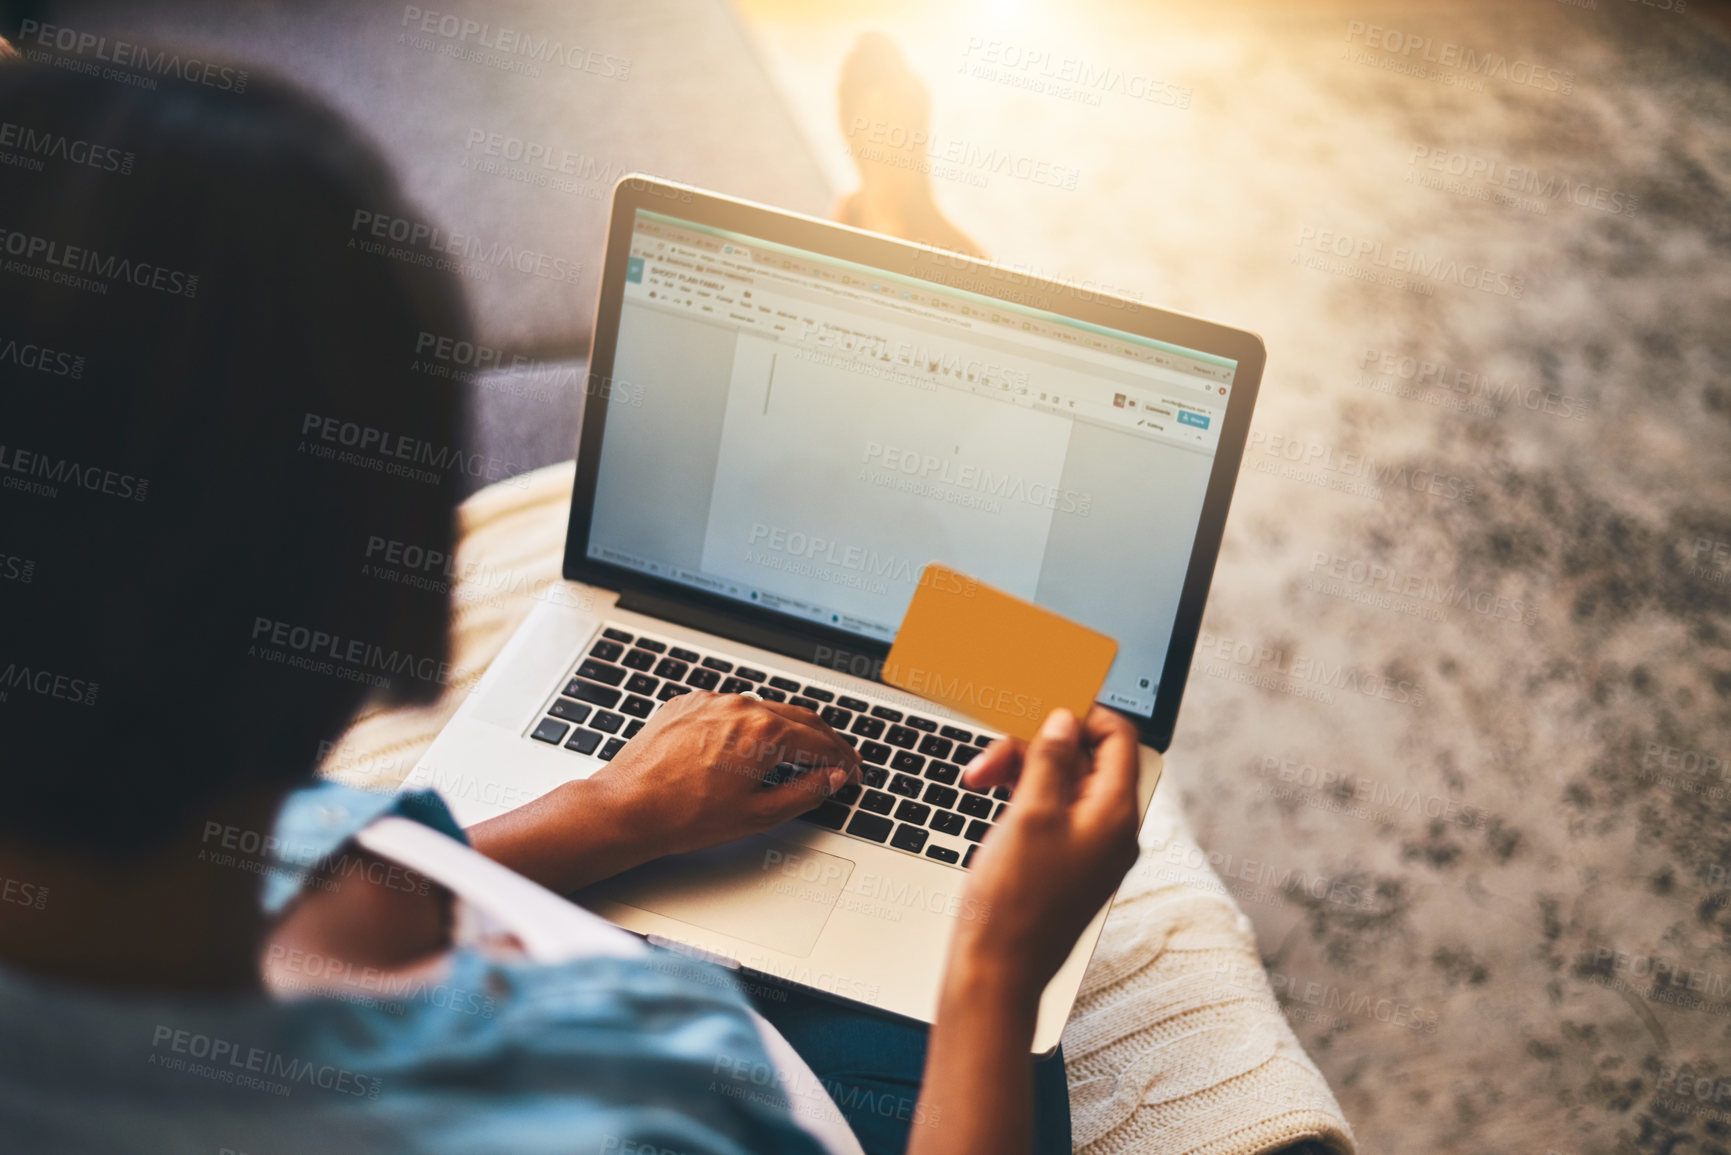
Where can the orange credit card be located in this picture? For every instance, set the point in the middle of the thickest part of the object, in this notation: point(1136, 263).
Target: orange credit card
point(1000, 660)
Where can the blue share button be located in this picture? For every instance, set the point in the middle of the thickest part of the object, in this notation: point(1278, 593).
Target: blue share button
point(1200, 420)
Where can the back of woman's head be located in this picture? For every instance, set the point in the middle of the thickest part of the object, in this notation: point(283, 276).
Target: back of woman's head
point(210, 407)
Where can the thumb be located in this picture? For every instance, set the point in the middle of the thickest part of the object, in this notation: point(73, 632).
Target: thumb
point(808, 788)
point(1049, 766)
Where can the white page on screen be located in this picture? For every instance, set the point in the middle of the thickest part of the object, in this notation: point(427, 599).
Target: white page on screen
point(836, 487)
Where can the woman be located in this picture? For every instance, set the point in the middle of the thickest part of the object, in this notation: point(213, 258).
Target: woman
point(175, 326)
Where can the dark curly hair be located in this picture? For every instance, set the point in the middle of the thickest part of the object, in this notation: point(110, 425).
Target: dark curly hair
point(209, 408)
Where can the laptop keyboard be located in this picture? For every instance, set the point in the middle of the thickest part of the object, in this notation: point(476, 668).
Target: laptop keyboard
point(910, 795)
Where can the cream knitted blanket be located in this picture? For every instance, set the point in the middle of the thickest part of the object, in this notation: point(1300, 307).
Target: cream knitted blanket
point(1176, 1043)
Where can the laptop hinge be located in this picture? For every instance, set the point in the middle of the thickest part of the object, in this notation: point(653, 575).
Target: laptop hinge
point(722, 625)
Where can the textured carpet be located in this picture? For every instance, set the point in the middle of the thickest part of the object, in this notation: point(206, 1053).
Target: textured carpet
point(1458, 740)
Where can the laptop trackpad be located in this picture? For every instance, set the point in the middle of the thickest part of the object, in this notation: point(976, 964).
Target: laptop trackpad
point(775, 894)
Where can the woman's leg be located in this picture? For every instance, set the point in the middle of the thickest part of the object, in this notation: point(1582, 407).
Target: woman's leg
point(871, 1065)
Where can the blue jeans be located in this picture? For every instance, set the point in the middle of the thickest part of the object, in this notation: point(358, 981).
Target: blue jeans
point(871, 1066)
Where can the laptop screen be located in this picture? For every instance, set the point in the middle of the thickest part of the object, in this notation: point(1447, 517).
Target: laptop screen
point(804, 434)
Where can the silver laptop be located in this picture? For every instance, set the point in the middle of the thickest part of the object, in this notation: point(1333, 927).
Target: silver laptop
point(787, 420)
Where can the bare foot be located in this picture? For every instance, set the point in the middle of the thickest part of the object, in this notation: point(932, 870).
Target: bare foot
point(886, 116)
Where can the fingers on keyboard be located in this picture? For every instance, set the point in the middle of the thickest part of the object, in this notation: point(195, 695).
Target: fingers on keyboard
point(909, 796)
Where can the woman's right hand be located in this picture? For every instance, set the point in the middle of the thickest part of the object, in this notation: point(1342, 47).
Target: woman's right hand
point(1065, 841)
point(701, 772)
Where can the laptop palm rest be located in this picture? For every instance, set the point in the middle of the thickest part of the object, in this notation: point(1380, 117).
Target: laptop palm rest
point(774, 894)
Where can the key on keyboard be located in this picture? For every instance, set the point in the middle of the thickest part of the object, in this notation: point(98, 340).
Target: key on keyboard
point(590, 692)
point(909, 838)
point(903, 736)
point(868, 727)
point(829, 814)
point(949, 822)
point(550, 730)
point(907, 762)
point(907, 786)
point(877, 802)
point(975, 806)
point(584, 741)
point(601, 672)
point(870, 826)
point(567, 709)
point(945, 772)
point(935, 746)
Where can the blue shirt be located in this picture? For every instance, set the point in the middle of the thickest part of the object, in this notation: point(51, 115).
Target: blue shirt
point(611, 1056)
